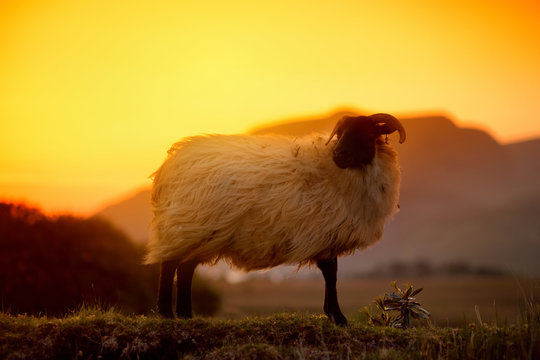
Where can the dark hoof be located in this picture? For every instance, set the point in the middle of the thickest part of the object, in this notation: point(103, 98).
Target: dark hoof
point(184, 316)
point(338, 319)
point(341, 321)
point(166, 313)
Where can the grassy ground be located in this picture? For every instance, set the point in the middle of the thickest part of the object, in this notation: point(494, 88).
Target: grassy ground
point(97, 334)
point(264, 320)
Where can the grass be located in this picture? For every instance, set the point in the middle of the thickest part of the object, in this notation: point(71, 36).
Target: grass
point(107, 334)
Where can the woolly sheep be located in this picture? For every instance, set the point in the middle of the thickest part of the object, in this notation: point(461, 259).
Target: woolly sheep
point(262, 201)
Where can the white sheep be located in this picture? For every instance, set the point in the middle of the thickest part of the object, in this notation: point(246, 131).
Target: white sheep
point(262, 201)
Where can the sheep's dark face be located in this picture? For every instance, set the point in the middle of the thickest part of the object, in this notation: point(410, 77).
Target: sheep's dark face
point(357, 138)
point(357, 141)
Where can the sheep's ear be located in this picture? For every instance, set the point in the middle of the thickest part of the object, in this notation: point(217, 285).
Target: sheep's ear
point(338, 129)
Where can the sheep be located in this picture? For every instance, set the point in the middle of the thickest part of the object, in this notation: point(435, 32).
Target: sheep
point(262, 201)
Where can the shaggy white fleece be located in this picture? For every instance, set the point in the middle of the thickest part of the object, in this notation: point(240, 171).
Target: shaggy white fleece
point(261, 201)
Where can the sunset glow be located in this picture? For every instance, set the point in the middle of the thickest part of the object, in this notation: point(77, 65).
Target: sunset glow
point(92, 93)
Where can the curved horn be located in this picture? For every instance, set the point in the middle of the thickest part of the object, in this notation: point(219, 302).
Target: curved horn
point(392, 122)
point(336, 129)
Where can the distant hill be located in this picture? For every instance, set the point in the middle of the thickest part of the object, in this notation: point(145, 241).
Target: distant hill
point(132, 215)
point(465, 198)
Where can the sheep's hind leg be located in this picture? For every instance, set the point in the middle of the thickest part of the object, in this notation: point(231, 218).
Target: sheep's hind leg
point(166, 278)
point(331, 305)
point(184, 276)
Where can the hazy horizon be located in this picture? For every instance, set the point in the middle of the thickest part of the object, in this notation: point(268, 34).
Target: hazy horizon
point(112, 196)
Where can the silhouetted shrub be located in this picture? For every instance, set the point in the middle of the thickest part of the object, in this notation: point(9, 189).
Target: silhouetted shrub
point(50, 265)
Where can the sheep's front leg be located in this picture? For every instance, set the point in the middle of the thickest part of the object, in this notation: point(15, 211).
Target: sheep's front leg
point(184, 276)
point(331, 305)
point(166, 278)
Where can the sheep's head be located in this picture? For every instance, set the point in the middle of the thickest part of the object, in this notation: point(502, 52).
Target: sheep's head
point(357, 137)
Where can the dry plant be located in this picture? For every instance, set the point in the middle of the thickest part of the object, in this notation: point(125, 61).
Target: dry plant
point(397, 309)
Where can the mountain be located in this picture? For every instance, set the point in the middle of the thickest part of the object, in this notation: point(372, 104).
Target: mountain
point(132, 215)
point(464, 198)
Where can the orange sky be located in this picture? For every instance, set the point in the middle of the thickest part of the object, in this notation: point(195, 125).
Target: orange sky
point(92, 93)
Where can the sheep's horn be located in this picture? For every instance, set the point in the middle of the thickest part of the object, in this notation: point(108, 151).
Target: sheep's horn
point(336, 129)
point(392, 122)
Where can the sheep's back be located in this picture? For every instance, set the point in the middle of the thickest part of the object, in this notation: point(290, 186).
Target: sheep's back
point(206, 188)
